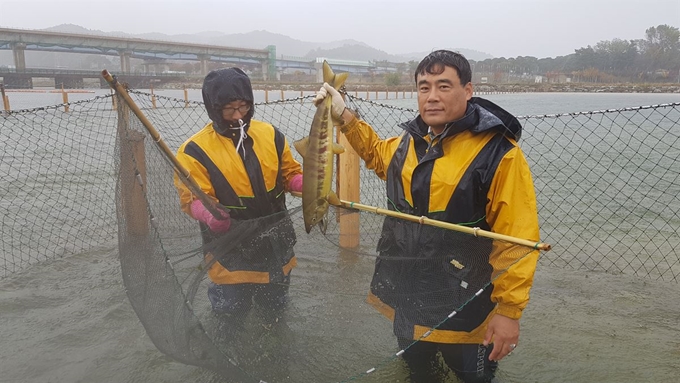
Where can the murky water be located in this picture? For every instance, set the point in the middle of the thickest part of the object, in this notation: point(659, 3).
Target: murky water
point(70, 321)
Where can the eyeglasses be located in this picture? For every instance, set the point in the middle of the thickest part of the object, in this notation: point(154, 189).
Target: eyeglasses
point(229, 111)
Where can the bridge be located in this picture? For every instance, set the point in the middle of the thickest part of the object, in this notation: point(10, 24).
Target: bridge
point(153, 53)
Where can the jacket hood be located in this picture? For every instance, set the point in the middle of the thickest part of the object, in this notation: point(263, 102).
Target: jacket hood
point(221, 87)
point(480, 115)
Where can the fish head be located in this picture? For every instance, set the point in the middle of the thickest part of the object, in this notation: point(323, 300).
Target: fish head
point(316, 215)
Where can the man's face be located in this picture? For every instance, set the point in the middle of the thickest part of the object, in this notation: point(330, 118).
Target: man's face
point(441, 98)
point(235, 110)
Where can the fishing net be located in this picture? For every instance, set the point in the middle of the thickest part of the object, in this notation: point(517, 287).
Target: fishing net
point(78, 176)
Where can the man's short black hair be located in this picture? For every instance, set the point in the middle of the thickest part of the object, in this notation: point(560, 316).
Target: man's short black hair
point(435, 62)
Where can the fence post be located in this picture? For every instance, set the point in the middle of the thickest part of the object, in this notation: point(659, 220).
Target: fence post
point(186, 97)
point(5, 99)
point(132, 174)
point(153, 97)
point(64, 97)
point(347, 186)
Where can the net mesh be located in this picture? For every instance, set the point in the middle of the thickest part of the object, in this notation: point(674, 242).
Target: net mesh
point(79, 176)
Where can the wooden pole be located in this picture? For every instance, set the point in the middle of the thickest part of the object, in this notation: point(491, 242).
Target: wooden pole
point(5, 99)
point(348, 187)
point(441, 224)
point(446, 225)
point(282, 95)
point(186, 97)
point(153, 97)
point(266, 95)
point(64, 97)
point(113, 100)
point(132, 176)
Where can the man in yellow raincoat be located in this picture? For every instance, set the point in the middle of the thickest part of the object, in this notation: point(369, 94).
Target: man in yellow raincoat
point(458, 161)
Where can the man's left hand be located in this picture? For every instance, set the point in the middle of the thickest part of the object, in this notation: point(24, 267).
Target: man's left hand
point(504, 332)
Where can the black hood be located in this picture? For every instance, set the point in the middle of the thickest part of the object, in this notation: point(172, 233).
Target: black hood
point(221, 87)
point(480, 115)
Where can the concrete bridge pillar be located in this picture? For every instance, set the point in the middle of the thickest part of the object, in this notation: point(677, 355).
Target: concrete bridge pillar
point(125, 61)
point(18, 50)
point(154, 66)
point(204, 59)
point(319, 72)
point(265, 71)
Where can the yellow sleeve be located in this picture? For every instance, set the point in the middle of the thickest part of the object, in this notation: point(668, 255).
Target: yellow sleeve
point(512, 211)
point(199, 174)
point(375, 152)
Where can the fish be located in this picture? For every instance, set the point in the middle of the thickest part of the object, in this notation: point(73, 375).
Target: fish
point(317, 151)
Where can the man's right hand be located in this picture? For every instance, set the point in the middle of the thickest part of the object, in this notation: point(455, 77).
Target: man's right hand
point(338, 105)
point(202, 214)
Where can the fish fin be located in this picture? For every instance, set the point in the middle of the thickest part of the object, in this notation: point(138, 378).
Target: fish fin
point(339, 80)
point(301, 145)
point(337, 148)
point(323, 224)
point(328, 75)
point(333, 199)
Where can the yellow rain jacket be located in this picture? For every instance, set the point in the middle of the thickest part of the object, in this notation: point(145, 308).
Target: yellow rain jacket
point(251, 183)
point(473, 174)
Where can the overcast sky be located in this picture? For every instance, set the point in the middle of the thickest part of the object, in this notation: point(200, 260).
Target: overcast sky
point(510, 28)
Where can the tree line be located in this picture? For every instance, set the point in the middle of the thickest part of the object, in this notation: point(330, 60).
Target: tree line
point(656, 58)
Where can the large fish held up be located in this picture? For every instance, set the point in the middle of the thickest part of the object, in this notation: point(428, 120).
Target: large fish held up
point(317, 152)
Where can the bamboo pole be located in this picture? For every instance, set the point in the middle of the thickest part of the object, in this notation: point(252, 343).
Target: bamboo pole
point(184, 175)
point(441, 224)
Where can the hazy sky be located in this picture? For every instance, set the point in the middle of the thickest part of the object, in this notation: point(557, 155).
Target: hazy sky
point(540, 28)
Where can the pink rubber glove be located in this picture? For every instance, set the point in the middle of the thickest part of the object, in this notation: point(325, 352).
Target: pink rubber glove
point(202, 214)
point(295, 184)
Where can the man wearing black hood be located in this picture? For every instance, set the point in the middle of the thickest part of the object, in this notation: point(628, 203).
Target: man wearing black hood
point(458, 161)
point(245, 165)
